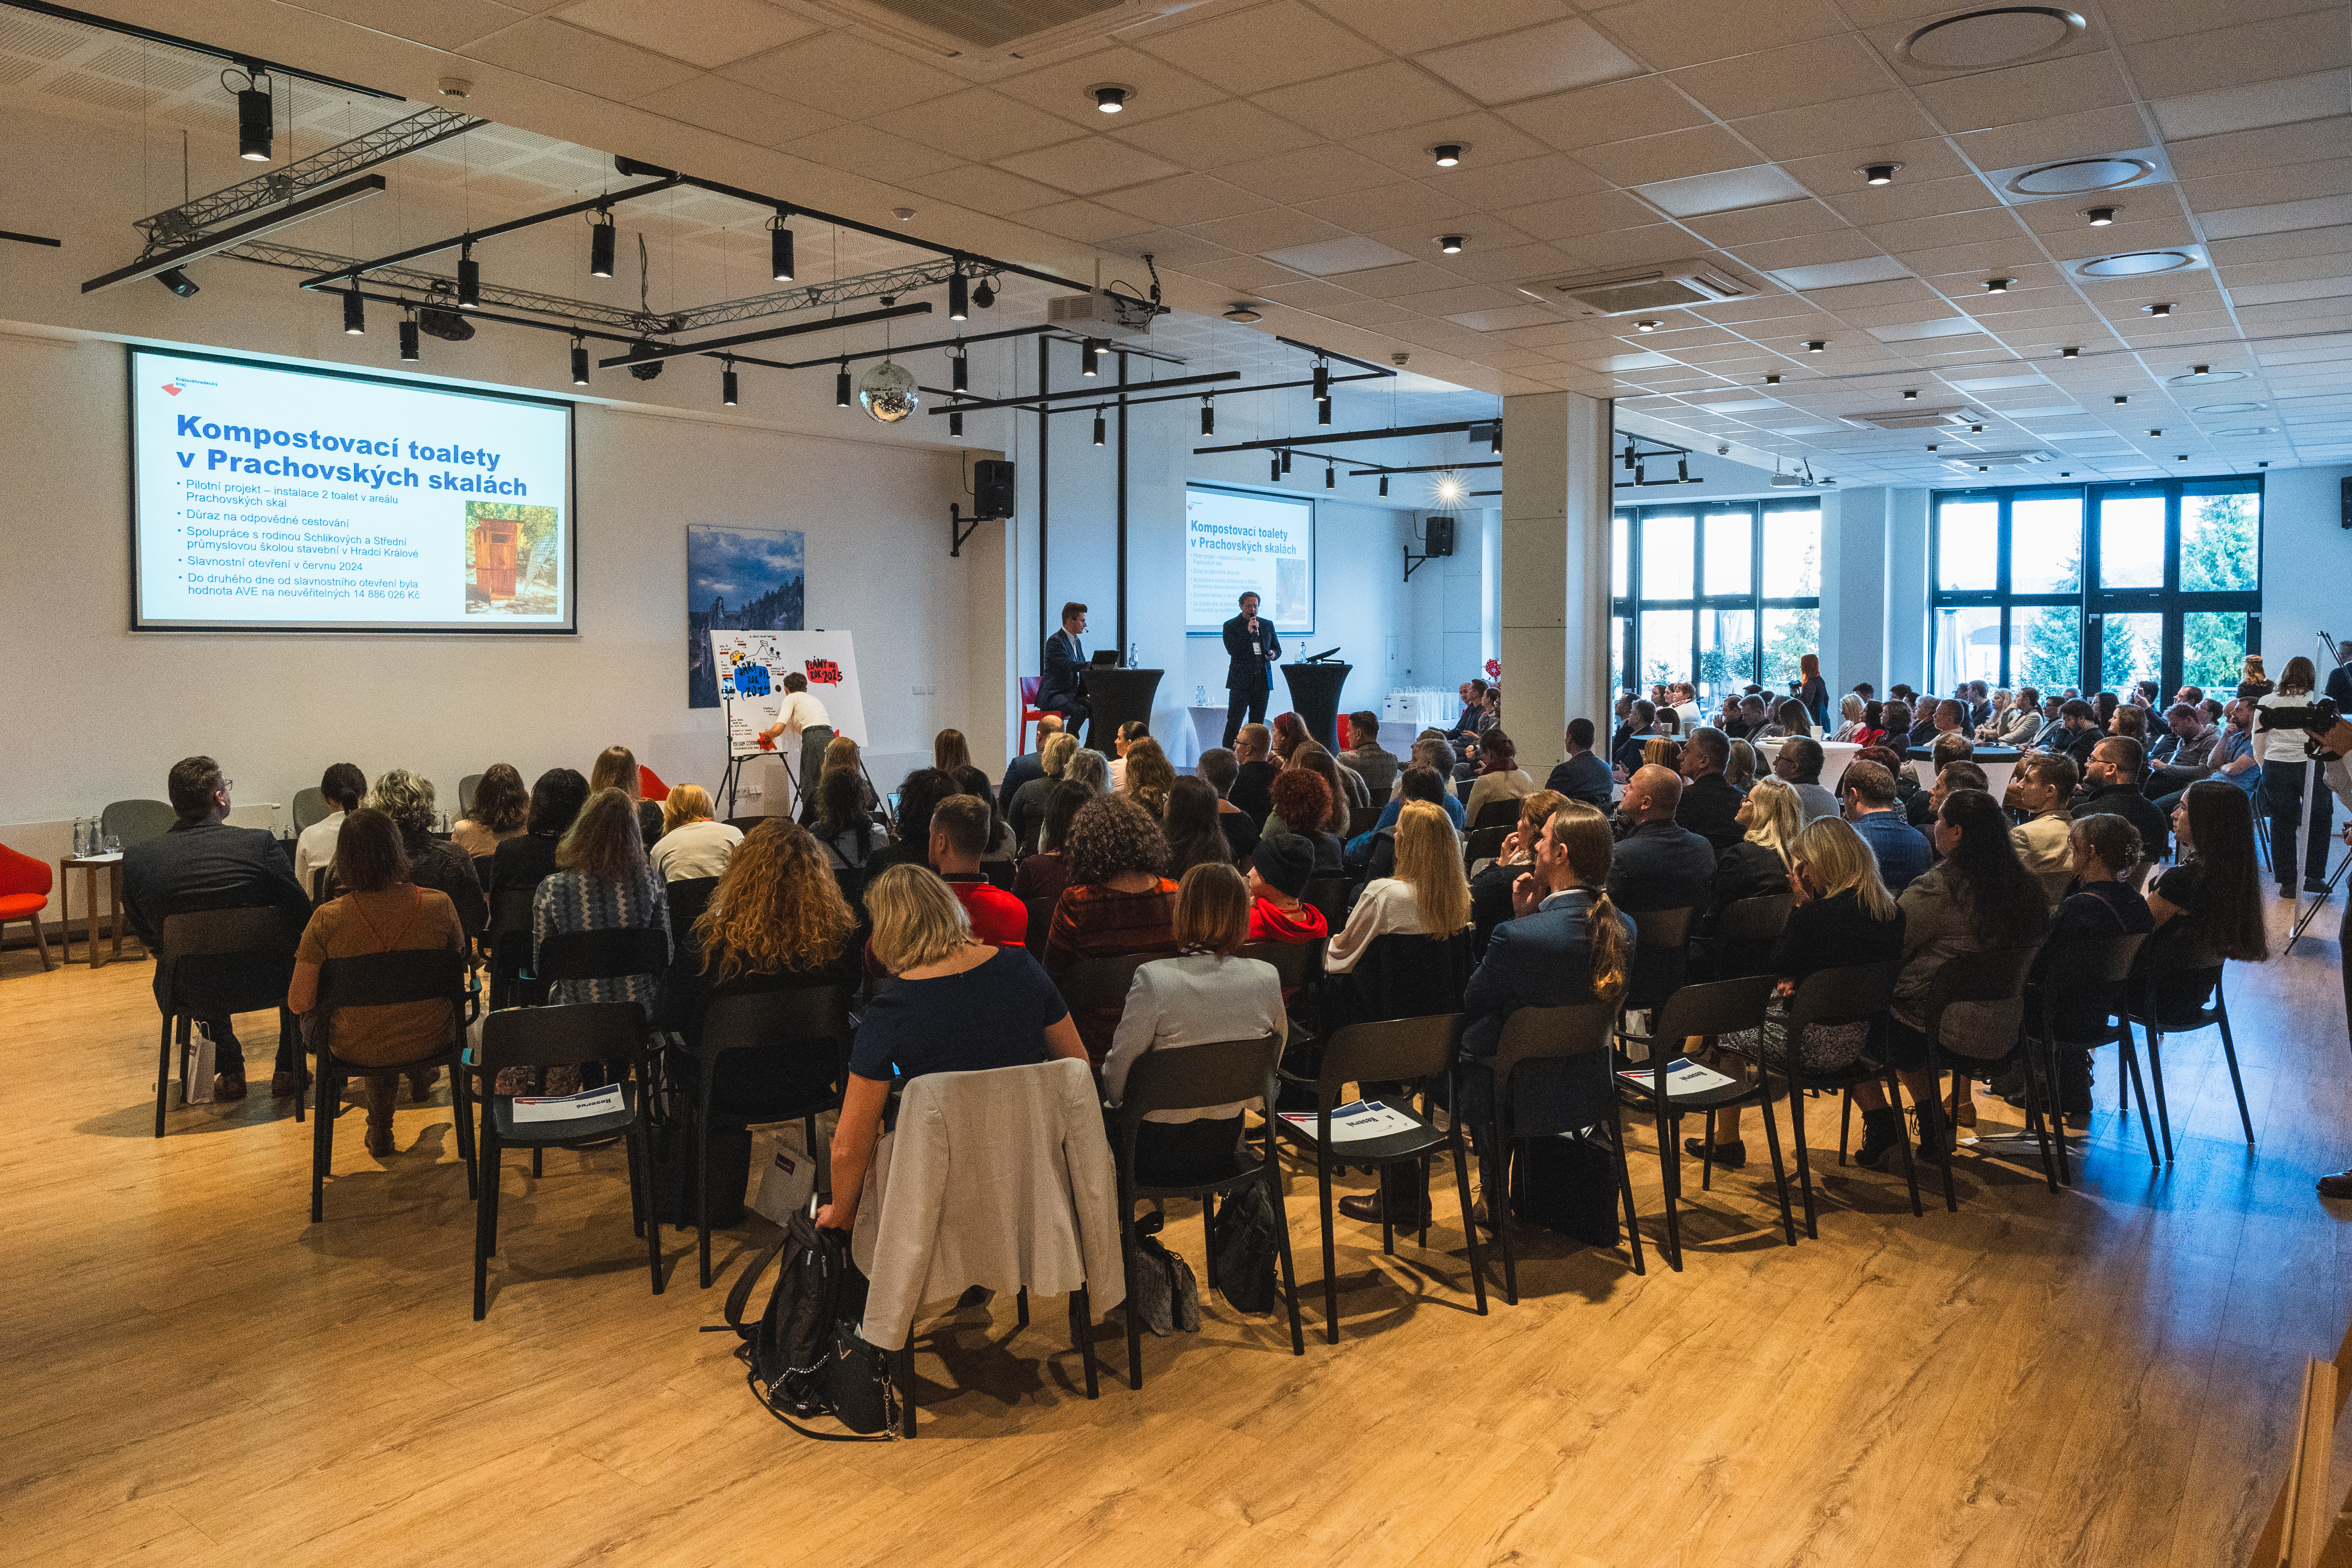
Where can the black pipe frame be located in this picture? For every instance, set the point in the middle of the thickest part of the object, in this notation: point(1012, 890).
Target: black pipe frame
point(1045, 623)
point(709, 345)
point(979, 407)
point(1326, 437)
point(1121, 508)
point(593, 204)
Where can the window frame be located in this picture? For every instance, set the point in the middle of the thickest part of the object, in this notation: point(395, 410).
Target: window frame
point(1627, 609)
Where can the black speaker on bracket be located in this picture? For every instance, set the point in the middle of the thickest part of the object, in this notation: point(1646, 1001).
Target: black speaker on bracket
point(2345, 488)
point(1440, 536)
point(992, 488)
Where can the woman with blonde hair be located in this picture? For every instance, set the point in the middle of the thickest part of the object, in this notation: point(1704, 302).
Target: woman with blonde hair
point(1427, 895)
point(957, 1005)
point(1026, 811)
point(1851, 708)
point(692, 845)
point(1840, 913)
point(1149, 777)
point(1088, 767)
point(616, 768)
point(1662, 751)
point(1757, 866)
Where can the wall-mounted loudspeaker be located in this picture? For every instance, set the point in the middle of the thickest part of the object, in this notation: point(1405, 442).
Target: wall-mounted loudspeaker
point(1440, 536)
point(2346, 487)
point(991, 488)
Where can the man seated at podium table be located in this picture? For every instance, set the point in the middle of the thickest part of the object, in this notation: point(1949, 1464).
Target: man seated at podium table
point(1058, 688)
point(1252, 646)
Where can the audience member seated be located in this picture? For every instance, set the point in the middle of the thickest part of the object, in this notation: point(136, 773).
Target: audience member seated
point(1219, 769)
point(1377, 766)
point(1841, 913)
point(1289, 733)
point(1789, 717)
point(957, 1005)
point(2208, 906)
point(2079, 729)
point(1425, 895)
point(2100, 848)
point(918, 793)
point(1026, 812)
point(1490, 884)
point(603, 881)
point(501, 807)
point(1710, 806)
point(2184, 753)
point(1740, 765)
point(1580, 775)
point(201, 863)
point(950, 754)
point(1566, 944)
point(1041, 877)
point(1633, 731)
point(692, 845)
point(1206, 994)
point(2236, 759)
point(1280, 868)
point(844, 826)
point(1310, 758)
point(1254, 772)
point(1500, 777)
point(380, 910)
point(1373, 853)
point(1302, 793)
point(2130, 720)
point(958, 834)
point(1430, 757)
point(1954, 776)
point(776, 921)
point(1118, 902)
point(1851, 708)
point(1123, 740)
point(1088, 767)
point(1757, 866)
point(433, 863)
point(616, 768)
point(1148, 776)
point(1194, 836)
point(524, 862)
point(1872, 731)
point(1029, 767)
point(840, 757)
point(1901, 853)
point(970, 781)
point(1942, 752)
point(1658, 865)
point(345, 786)
point(2040, 787)
point(2111, 783)
point(1978, 898)
point(1799, 763)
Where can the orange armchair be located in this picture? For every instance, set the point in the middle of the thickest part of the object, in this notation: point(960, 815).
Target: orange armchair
point(1029, 708)
point(23, 893)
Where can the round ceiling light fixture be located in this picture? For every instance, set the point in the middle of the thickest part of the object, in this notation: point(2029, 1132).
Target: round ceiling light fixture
point(2243, 430)
point(2225, 408)
point(904, 215)
point(2137, 264)
point(1879, 174)
point(2079, 176)
point(886, 392)
point(1994, 35)
point(2199, 375)
point(1449, 153)
point(1111, 97)
point(1451, 244)
point(1645, 326)
point(1243, 311)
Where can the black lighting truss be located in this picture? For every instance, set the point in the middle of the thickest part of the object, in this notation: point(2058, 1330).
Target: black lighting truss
point(191, 219)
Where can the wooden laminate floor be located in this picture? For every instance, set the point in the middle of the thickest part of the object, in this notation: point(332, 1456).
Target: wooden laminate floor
point(197, 1373)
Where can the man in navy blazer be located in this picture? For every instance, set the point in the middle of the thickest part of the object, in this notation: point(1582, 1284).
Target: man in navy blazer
point(1659, 865)
point(1058, 688)
point(1252, 646)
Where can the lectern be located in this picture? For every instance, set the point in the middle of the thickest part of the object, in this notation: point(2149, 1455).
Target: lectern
point(1116, 696)
point(1315, 697)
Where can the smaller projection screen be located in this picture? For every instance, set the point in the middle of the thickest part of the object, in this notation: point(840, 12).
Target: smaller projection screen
point(292, 497)
point(1239, 541)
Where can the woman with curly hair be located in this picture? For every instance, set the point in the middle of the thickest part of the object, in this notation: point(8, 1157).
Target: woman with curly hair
point(1118, 901)
point(1148, 776)
point(1302, 805)
point(501, 806)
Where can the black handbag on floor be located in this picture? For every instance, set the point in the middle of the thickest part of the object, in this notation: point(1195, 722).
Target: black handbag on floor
point(803, 1356)
point(1241, 1246)
point(1569, 1183)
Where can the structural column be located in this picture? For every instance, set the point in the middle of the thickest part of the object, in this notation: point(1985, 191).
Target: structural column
point(1554, 569)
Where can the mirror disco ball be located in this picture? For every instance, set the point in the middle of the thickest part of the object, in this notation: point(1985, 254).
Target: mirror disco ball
point(886, 392)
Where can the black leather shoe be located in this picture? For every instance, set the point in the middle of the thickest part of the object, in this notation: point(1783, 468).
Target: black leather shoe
point(1369, 1208)
point(1727, 1156)
point(2338, 1185)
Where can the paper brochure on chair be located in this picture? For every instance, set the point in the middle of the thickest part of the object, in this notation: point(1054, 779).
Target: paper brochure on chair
point(605, 1101)
point(1354, 1122)
point(1684, 1077)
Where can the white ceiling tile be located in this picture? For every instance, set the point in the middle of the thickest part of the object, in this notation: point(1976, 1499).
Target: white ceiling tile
point(2281, 293)
point(1408, 26)
point(443, 23)
point(1520, 183)
point(1313, 294)
point(1823, 70)
point(1369, 313)
point(875, 154)
point(2087, 134)
point(1511, 264)
point(1088, 165)
point(1168, 247)
point(2315, 213)
point(1501, 319)
point(1613, 112)
point(844, 75)
point(1677, 155)
point(1354, 253)
point(2280, 182)
point(1262, 233)
point(1578, 216)
point(1669, 32)
point(1185, 199)
point(1781, 220)
point(1243, 272)
point(1994, 225)
point(1387, 283)
point(1216, 133)
point(980, 125)
point(1262, 46)
point(2317, 96)
point(1906, 198)
point(1553, 58)
point(1321, 170)
point(2261, 149)
point(983, 189)
point(2253, 51)
point(1861, 127)
point(1722, 191)
point(734, 110)
point(1913, 332)
point(2279, 246)
point(1081, 221)
point(591, 62)
point(1384, 207)
point(707, 32)
point(1360, 103)
point(1834, 274)
point(1161, 90)
point(1634, 247)
point(2034, 91)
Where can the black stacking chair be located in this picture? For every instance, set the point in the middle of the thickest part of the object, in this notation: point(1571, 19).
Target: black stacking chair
point(1397, 1050)
point(215, 962)
point(1183, 1079)
point(1329, 894)
point(999, 874)
point(1100, 983)
point(1710, 1009)
point(1744, 937)
point(382, 980)
point(510, 940)
point(1502, 813)
point(1852, 994)
point(1577, 1035)
point(1998, 976)
point(568, 1034)
point(2160, 1007)
point(1483, 844)
point(2104, 964)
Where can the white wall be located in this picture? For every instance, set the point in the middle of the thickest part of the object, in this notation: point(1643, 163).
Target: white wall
point(2307, 563)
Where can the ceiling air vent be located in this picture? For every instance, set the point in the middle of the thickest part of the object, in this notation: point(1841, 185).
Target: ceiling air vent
point(1664, 288)
point(1915, 418)
point(1973, 462)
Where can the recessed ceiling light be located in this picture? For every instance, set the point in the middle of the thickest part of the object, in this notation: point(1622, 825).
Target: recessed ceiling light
point(2070, 354)
point(2123, 397)
point(1645, 326)
point(1773, 379)
point(1815, 345)
point(1110, 97)
point(2162, 308)
point(1450, 243)
point(1240, 310)
point(1976, 429)
point(1448, 154)
point(2100, 216)
point(2200, 374)
point(2155, 432)
point(455, 87)
point(1879, 174)
point(1911, 395)
point(1931, 446)
point(904, 215)
point(1998, 285)
point(2181, 458)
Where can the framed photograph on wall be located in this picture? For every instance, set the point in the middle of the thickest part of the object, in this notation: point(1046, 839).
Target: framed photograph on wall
point(738, 580)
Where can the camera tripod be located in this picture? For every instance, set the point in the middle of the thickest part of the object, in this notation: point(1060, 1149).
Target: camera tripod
point(2318, 902)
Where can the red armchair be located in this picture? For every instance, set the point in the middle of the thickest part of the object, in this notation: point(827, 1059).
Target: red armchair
point(1029, 708)
point(649, 786)
point(25, 893)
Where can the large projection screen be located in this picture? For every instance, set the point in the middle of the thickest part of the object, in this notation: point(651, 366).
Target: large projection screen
point(289, 497)
point(1240, 541)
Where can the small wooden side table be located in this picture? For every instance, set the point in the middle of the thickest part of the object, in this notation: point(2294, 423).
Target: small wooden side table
point(91, 866)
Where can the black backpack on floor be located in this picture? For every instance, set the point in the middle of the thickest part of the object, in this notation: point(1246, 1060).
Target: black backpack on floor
point(804, 1356)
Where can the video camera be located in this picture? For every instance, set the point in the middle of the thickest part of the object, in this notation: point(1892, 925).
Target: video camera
point(2319, 717)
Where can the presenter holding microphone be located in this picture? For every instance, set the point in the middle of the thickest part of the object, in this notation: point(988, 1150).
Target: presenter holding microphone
point(1252, 646)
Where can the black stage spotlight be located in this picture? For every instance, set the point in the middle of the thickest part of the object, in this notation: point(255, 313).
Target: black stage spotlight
point(177, 280)
point(1285, 460)
point(354, 314)
point(1323, 412)
point(1385, 485)
point(601, 232)
point(1098, 427)
point(469, 280)
point(955, 421)
point(840, 387)
point(959, 297)
point(960, 370)
point(1090, 358)
point(726, 384)
point(780, 248)
point(409, 337)
point(256, 111)
point(1274, 469)
point(1208, 417)
point(1330, 478)
point(579, 362)
point(1322, 380)
point(1447, 154)
point(985, 295)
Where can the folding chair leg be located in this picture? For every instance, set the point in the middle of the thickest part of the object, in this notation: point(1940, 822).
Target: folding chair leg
point(2156, 1072)
point(2230, 1055)
point(1084, 1324)
point(1910, 1161)
point(538, 1163)
point(1779, 1172)
point(1126, 1308)
point(1209, 1241)
point(322, 1151)
point(2037, 1118)
point(1469, 1225)
point(1331, 1251)
point(701, 1179)
point(1626, 1187)
point(1931, 1124)
point(1670, 1169)
point(2054, 1117)
point(486, 1223)
point(1804, 1167)
point(1282, 1249)
point(1020, 1308)
point(461, 1106)
point(1845, 1125)
point(163, 1073)
point(1498, 1209)
point(2140, 1091)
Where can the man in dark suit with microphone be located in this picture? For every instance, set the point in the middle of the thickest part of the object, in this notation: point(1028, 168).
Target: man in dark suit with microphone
point(1251, 648)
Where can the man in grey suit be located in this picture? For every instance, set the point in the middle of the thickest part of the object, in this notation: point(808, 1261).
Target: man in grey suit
point(1252, 645)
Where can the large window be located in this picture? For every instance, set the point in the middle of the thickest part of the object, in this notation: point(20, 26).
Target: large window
point(1722, 595)
point(2097, 586)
